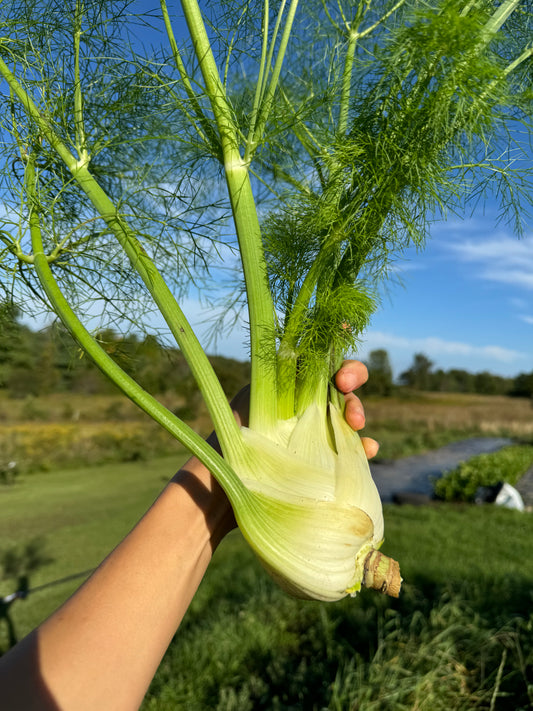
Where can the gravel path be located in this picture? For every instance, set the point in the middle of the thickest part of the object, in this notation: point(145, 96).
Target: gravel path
point(413, 475)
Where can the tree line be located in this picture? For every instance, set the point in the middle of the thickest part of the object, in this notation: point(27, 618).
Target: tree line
point(34, 363)
point(422, 375)
point(40, 362)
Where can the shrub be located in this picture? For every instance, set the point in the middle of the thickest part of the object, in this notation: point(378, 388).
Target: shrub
point(41, 447)
point(507, 465)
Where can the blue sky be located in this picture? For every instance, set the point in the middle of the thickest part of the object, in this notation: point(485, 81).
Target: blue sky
point(466, 301)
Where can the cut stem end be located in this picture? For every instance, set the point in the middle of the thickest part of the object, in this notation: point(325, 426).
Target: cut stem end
point(382, 573)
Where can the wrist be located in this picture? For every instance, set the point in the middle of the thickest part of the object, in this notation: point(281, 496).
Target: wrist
point(208, 497)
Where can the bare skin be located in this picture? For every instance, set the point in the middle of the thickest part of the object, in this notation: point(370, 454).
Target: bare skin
point(101, 648)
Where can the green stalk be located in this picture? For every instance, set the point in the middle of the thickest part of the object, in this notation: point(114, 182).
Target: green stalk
point(295, 319)
point(287, 361)
point(219, 409)
point(382, 19)
point(81, 144)
point(260, 305)
point(266, 103)
point(499, 17)
point(354, 35)
point(312, 387)
point(288, 347)
point(263, 404)
point(178, 429)
point(199, 120)
point(347, 83)
point(263, 71)
point(223, 420)
point(526, 54)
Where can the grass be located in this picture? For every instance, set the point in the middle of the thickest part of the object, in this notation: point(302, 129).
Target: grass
point(78, 516)
point(459, 637)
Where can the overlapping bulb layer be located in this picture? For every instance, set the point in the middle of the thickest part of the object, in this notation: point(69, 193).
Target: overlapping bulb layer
point(315, 519)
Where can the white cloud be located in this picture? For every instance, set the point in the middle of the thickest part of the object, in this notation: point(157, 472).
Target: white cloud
point(527, 319)
point(437, 347)
point(501, 259)
point(517, 277)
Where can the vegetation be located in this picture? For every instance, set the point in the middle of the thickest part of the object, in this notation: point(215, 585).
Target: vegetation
point(412, 422)
point(507, 465)
point(38, 363)
point(459, 637)
point(422, 376)
point(48, 361)
point(70, 429)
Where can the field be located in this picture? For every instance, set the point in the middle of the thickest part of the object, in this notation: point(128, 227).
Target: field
point(459, 637)
point(65, 430)
point(415, 422)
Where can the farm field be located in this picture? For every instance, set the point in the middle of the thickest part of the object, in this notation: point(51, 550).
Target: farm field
point(459, 637)
point(414, 422)
point(42, 433)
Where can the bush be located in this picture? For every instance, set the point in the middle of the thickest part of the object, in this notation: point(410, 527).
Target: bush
point(46, 446)
point(507, 465)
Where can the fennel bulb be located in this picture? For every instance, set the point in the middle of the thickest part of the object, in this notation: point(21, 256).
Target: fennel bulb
point(314, 517)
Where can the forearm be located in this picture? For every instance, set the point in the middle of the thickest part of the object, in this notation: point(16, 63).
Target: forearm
point(126, 614)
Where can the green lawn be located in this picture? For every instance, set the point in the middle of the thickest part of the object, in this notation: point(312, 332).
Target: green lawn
point(79, 515)
point(459, 637)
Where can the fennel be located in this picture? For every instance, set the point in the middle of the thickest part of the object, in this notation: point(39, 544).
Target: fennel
point(357, 157)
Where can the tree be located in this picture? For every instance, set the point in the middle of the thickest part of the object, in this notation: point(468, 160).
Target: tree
point(464, 381)
point(17, 354)
point(380, 374)
point(418, 375)
point(522, 385)
point(487, 383)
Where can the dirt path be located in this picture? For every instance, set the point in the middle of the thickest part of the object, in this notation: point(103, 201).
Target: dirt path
point(414, 474)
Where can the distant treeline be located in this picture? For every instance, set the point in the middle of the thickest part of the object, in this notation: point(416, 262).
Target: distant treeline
point(422, 375)
point(40, 362)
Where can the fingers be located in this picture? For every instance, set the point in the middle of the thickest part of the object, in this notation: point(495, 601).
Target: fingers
point(355, 417)
point(370, 446)
point(354, 411)
point(351, 375)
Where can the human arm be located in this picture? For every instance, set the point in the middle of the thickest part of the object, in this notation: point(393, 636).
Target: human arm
point(101, 648)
